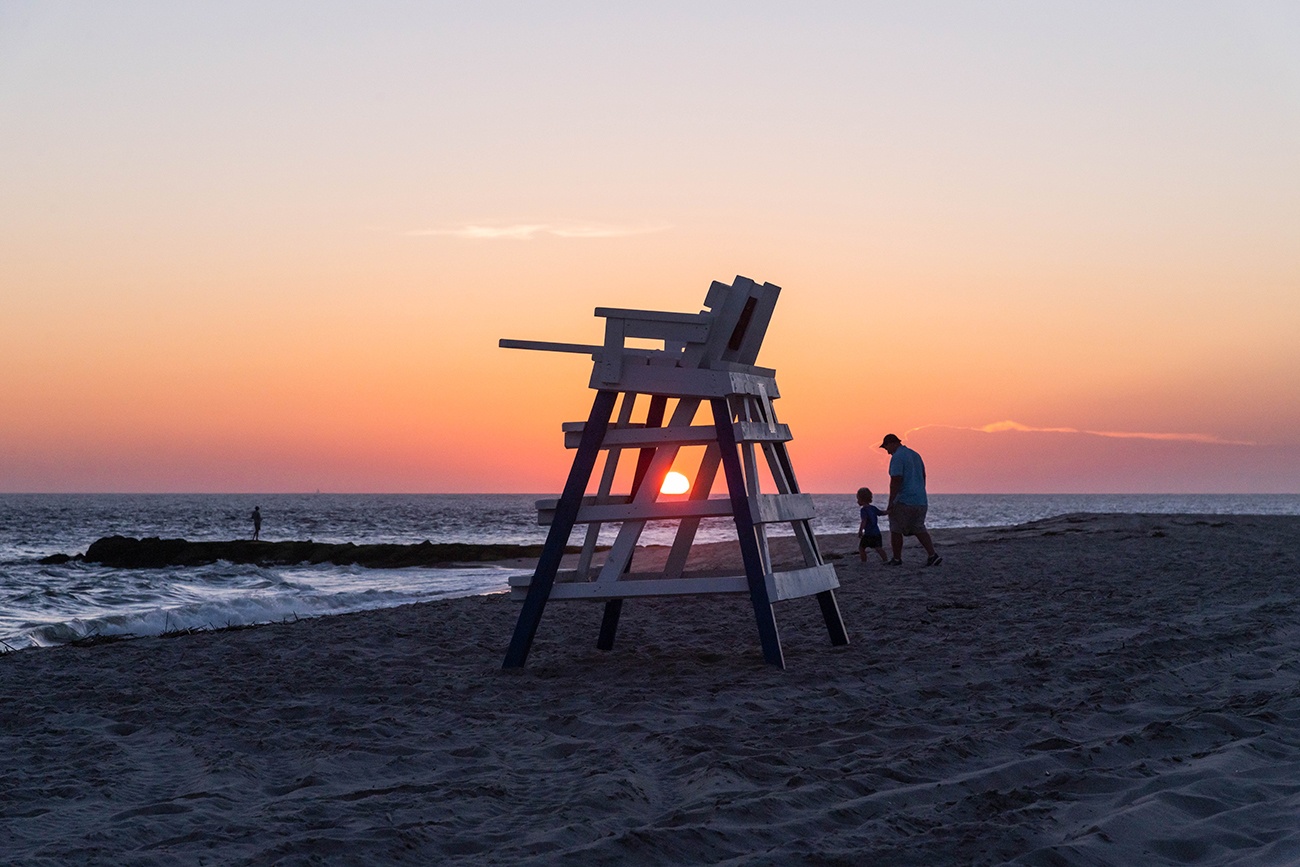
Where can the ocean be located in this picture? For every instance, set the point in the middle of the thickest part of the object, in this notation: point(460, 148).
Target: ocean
point(43, 605)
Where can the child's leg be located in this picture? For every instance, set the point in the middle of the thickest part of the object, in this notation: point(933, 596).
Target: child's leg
point(884, 558)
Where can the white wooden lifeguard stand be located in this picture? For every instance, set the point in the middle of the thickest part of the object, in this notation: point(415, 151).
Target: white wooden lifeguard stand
point(707, 356)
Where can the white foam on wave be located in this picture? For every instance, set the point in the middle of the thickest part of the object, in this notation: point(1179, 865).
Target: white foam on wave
point(339, 596)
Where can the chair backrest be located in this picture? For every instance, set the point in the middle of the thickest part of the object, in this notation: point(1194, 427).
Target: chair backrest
point(739, 315)
point(728, 333)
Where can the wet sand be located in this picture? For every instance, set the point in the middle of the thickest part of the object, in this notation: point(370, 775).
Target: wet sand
point(1085, 690)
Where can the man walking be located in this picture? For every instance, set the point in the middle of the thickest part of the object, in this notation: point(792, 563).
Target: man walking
point(907, 500)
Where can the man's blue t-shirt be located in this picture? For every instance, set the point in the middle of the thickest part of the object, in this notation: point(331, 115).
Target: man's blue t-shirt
point(907, 463)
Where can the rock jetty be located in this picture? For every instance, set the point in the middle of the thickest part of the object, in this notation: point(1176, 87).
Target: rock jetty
point(154, 553)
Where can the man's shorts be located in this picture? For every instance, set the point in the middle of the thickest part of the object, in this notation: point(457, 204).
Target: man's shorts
point(871, 540)
point(905, 519)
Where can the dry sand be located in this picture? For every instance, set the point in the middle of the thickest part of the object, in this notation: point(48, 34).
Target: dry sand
point(1085, 690)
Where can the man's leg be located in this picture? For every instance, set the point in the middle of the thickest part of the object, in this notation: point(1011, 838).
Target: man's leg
point(923, 536)
point(896, 542)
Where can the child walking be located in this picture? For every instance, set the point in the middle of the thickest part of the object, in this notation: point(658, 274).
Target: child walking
point(869, 528)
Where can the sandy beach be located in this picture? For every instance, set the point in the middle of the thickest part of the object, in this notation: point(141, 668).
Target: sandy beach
point(1090, 689)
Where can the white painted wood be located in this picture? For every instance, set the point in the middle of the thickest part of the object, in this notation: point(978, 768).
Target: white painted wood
point(766, 509)
point(640, 436)
point(737, 367)
point(657, 317)
point(564, 575)
point(651, 587)
point(765, 298)
point(665, 511)
point(609, 366)
point(705, 356)
point(793, 584)
point(778, 461)
point(689, 382)
point(674, 329)
point(782, 508)
point(546, 508)
point(798, 583)
point(626, 589)
point(549, 346)
point(762, 432)
point(727, 309)
point(674, 332)
point(628, 355)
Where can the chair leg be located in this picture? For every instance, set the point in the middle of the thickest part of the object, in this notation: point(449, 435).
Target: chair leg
point(834, 623)
point(609, 624)
point(768, 636)
point(566, 515)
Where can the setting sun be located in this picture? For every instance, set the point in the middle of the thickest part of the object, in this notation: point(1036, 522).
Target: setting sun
point(675, 483)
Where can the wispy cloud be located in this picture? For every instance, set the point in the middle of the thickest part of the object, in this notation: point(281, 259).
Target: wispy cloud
point(1005, 426)
point(529, 231)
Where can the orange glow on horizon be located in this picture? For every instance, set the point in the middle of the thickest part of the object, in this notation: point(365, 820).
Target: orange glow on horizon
point(191, 304)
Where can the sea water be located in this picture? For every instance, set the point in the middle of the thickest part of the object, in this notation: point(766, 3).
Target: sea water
point(42, 605)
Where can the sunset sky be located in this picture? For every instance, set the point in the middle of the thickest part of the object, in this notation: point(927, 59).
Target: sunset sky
point(271, 246)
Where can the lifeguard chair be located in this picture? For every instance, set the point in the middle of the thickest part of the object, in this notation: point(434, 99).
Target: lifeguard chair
point(703, 357)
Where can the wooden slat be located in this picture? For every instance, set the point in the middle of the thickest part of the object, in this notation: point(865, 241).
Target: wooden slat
point(674, 329)
point(643, 437)
point(685, 381)
point(636, 355)
point(798, 583)
point(794, 584)
point(563, 576)
point(549, 346)
point(639, 436)
point(782, 508)
point(663, 316)
point(669, 332)
point(647, 511)
point(629, 588)
point(549, 504)
point(767, 509)
point(761, 432)
point(737, 367)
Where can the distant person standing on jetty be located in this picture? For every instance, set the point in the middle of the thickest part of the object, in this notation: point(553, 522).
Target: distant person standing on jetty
point(907, 500)
point(257, 522)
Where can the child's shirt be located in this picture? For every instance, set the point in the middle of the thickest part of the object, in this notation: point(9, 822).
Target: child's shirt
point(870, 519)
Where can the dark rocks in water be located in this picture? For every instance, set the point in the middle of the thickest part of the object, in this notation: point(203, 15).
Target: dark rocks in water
point(58, 559)
point(153, 553)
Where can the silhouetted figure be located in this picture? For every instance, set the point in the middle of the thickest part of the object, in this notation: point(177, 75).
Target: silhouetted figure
point(907, 500)
point(257, 522)
point(869, 527)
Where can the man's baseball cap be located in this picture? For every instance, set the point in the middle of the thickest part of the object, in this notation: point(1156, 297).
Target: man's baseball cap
point(889, 438)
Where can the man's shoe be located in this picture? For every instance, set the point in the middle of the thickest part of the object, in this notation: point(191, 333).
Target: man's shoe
point(934, 560)
point(895, 562)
